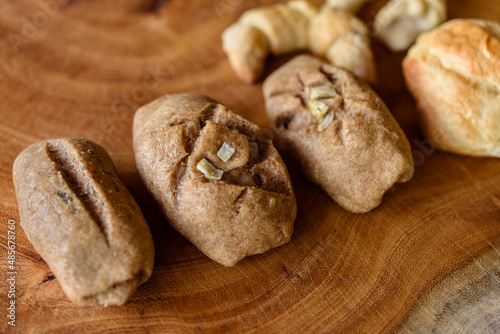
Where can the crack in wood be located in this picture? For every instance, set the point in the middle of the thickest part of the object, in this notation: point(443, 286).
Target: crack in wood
point(49, 278)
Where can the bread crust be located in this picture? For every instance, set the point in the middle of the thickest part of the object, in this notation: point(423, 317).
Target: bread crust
point(360, 155)
point(298, 25)
point(453, 72)
point(399, 22)
point(223, 218)
point(82, 220)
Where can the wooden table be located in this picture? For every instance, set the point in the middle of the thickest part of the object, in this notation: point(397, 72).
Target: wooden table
point(427, 258)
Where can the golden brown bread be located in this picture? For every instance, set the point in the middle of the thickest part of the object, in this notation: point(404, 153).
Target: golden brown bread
point(343, 40)
point(453, 73)
point(399, 22)
point(82, 220)
point(339, 130)
point(230, 209)
point(351, 6)
point(298, 25)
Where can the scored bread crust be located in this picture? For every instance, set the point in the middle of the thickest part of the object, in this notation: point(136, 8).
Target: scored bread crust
point(360, 155)
point(453, 72)
point(82, 220)
point(226, 220)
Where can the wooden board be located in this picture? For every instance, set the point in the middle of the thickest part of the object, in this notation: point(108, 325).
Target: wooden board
point(427, 258)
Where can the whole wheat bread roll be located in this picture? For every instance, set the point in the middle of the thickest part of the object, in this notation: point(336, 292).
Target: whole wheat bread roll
point(231, 204)
point(339, 130)
point(82, 220)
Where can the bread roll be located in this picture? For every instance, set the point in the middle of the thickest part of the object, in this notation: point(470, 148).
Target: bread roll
point(399, 22)
point(339, 130)
point(82, 220)
point(217, 181)
point(297, 25)
point(453, 73)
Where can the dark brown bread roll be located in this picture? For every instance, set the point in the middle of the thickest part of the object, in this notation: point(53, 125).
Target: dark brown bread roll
point(82, 220)
point(219, 184)
point(340, 131)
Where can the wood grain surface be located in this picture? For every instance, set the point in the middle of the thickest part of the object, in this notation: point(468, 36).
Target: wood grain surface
point(426, 260)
